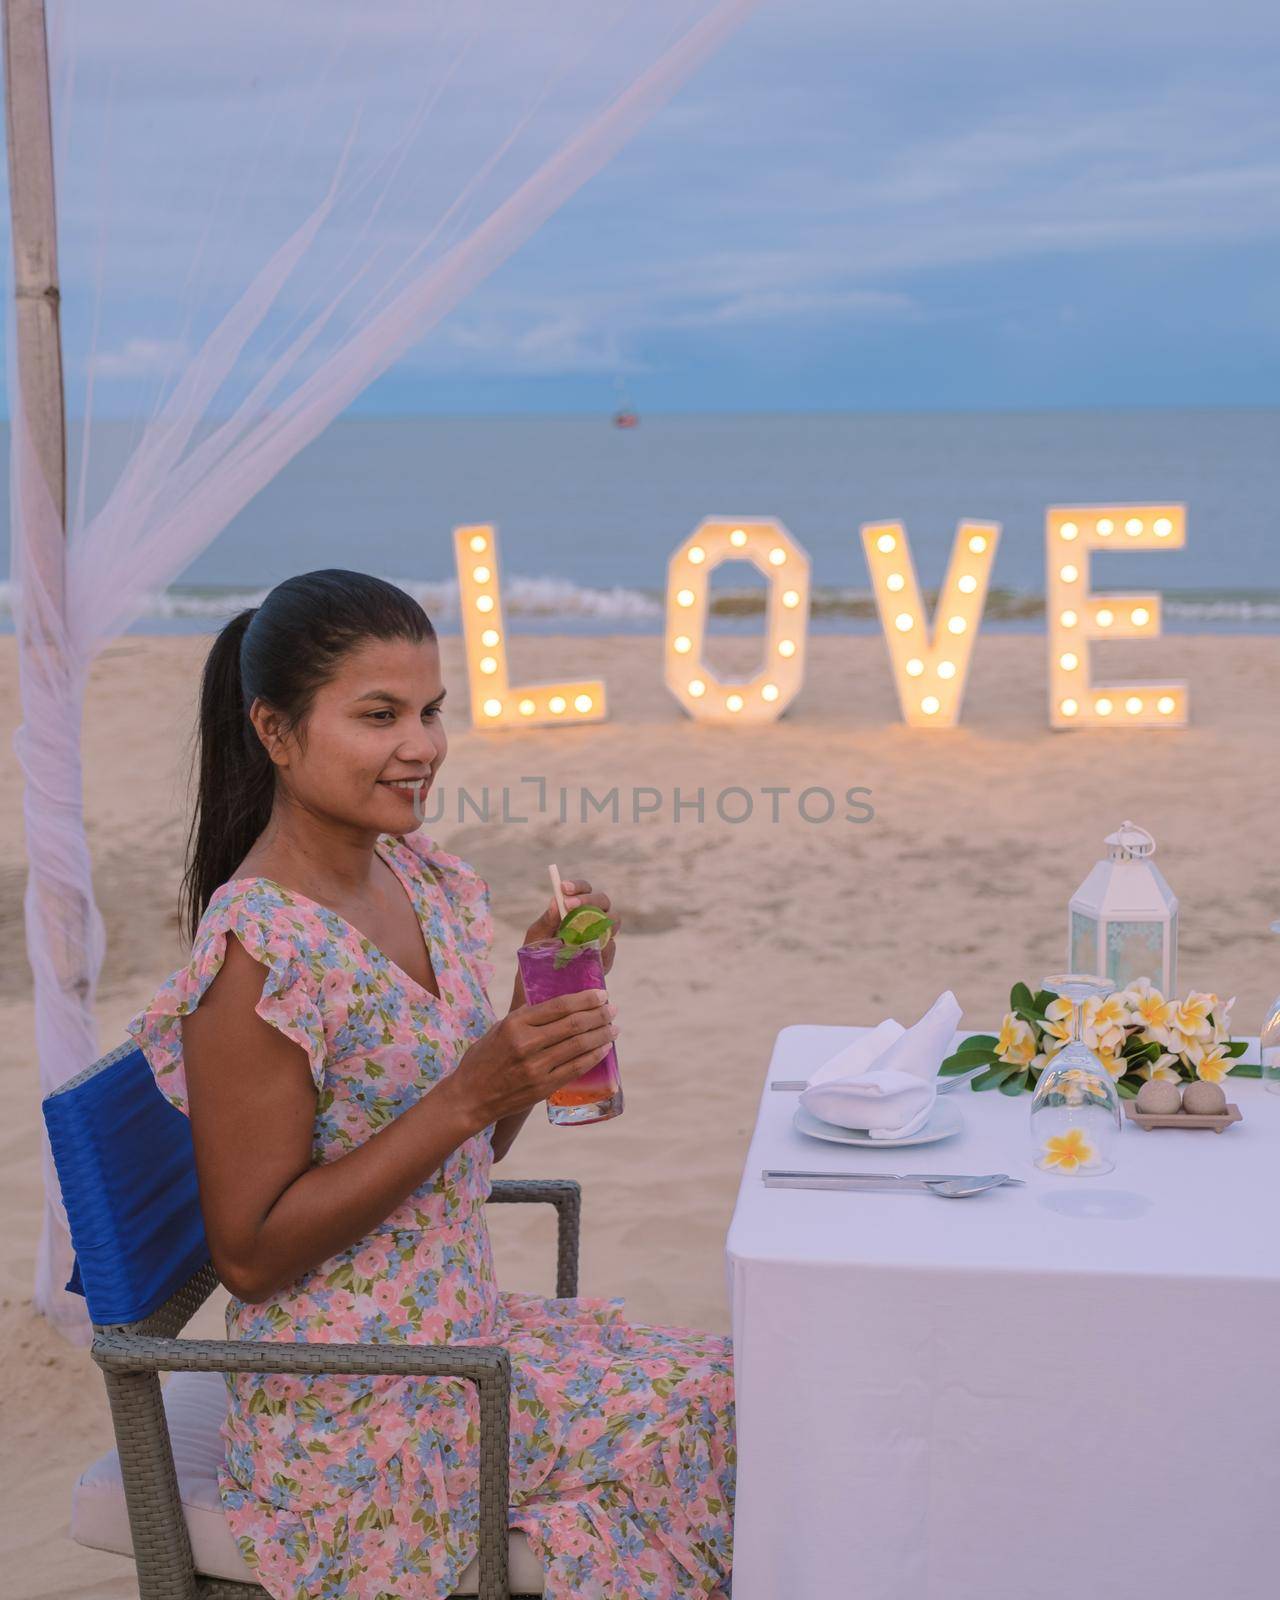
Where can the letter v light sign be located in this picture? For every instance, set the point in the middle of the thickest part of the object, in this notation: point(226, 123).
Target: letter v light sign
point(930, 672)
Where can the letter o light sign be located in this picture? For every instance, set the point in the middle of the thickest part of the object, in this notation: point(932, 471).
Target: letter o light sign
point(766, 695)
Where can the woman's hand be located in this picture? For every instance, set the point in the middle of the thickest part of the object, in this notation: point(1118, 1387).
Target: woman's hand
point(577, 892)
point(531, 1053)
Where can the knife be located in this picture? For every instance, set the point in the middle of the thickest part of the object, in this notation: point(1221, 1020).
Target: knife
point(782, 1178)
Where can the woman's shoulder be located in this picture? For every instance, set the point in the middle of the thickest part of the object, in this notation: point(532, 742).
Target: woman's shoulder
point(263, 914)
point(277, 929)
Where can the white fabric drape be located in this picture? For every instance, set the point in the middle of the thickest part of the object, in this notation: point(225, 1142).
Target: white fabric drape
point(435, 139)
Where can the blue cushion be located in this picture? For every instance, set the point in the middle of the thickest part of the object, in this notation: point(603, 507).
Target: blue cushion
point(128, 1177)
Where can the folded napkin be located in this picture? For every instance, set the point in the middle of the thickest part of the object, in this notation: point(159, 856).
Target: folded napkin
point(886, 1081)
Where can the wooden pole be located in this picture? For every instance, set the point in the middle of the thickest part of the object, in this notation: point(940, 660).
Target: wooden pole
point(32, 207)
point(62, 910)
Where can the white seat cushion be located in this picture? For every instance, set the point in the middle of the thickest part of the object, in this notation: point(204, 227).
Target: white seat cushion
point(195, 1404)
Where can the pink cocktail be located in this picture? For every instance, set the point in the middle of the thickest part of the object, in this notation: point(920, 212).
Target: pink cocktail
point(597, 1094)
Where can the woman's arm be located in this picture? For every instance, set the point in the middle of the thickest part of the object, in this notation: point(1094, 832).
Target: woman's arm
point(270, 1214)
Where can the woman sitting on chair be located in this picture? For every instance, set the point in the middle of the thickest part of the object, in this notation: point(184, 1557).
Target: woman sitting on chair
point(348, 1084)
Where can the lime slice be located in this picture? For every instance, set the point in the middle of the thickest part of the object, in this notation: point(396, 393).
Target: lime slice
point(583, 924)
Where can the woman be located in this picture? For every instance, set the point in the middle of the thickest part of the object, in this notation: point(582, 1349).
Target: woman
point(349, 1083)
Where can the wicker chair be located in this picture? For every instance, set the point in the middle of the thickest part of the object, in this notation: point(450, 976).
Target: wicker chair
point(127, 1173)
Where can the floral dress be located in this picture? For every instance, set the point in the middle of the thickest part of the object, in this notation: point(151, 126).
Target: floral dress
point(622, 1435)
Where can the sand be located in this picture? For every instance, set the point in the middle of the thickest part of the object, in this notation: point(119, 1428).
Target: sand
point(732, 931)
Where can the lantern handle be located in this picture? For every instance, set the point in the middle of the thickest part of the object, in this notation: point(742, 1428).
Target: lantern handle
point(1130, 842)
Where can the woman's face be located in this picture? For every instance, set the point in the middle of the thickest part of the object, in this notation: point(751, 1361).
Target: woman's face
point(376, 721)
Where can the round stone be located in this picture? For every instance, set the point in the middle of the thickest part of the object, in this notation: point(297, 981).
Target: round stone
point(1159, 1098)
point(1204, 1100)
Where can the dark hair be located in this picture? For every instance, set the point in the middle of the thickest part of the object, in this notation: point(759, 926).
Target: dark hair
point(282, 652)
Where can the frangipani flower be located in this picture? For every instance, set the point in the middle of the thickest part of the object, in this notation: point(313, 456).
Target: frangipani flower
point(1017, 1042)
point(1222, 1019)
point(1191, 1016)
point(1059, 1021)
point(1112, 1060)
point(1214, 1064)
point(1150, 1011)
point(1078, 1084)
point(1068, 1152)
point(1104, 1023)
point(1164, 1068)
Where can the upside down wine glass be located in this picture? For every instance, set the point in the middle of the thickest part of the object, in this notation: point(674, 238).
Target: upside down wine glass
point(1075, 1111)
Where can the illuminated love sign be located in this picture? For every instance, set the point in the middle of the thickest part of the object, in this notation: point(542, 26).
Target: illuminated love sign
point(1073, 616)
point(766, 695)
point(495, 703)
point(929, 657)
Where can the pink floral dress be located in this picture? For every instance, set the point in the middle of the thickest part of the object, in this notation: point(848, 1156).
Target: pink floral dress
point(622, 1436)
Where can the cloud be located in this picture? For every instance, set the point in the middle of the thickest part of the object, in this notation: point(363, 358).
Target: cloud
point(834, 165)
point(142, 358)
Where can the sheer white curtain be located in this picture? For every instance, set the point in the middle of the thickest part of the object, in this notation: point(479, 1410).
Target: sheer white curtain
point(283, 207)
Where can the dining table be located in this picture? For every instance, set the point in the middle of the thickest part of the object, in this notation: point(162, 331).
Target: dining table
point(1068, 1390)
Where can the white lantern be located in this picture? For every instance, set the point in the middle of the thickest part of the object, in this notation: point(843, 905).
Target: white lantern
point(1123, 919)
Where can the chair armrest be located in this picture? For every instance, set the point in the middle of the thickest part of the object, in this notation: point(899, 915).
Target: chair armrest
point(127, 1356)
point(566, 1196)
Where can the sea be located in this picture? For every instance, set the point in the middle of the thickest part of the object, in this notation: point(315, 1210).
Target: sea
point(587, 514)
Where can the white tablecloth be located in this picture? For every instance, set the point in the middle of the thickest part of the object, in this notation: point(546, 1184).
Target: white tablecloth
point(1064, 1392)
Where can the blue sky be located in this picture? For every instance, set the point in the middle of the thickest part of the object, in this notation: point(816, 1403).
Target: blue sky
point(883, 204)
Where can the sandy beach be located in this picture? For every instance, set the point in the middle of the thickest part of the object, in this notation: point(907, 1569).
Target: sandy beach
point(732, 930)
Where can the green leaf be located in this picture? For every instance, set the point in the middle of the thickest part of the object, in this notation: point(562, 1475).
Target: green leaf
point(1129, 1087)
point(1044, 999)
point(964, 1060)
point(1237, 1047)
point(994, 1077)
point(1015, 1085)
point(1020, 996)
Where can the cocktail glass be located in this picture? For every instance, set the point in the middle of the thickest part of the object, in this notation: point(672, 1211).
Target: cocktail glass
point(597, 1094)
point(1075, 1111)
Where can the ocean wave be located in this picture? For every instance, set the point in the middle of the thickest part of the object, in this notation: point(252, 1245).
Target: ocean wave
point(521, 597)
point(546, 599)
point(1222, 608)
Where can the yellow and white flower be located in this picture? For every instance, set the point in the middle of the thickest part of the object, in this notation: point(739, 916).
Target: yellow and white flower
point(1016, 1045)
point(1112, 1060)
point(1148, 1009)
point(1164, 1068)
point(1104, 1023)
point(1059, 1022)
point(1068, 1152)
point(1191, 1016)
point(1214, 1064)
point(1222, 1019)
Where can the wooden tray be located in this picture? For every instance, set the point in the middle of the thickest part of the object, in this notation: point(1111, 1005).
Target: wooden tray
point(1182, 1119)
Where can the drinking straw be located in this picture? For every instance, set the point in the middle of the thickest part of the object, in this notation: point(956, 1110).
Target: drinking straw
point(556, 889)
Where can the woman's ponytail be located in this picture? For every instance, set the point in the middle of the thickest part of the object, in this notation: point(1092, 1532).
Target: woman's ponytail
point(281, 653)
point(235, 777)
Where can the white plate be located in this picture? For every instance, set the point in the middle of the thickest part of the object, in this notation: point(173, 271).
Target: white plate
point(944, 1120)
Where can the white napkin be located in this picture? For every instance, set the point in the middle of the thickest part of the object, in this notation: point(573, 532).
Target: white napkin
point(886, 1081)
